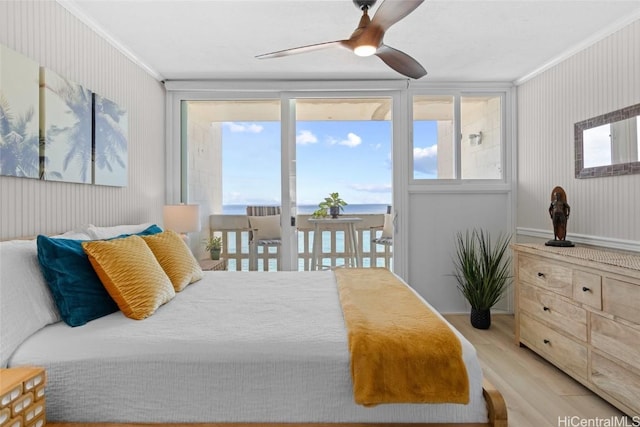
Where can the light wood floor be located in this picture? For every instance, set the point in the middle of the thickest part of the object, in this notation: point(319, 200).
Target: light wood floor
point(536, 392)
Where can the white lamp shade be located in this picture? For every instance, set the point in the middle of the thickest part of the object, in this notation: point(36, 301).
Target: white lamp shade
point(182, 218)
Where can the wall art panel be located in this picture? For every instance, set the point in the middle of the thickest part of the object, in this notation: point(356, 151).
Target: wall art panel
point(50, 35)
point(19, 114)
point(111, 129)
point(65, 120)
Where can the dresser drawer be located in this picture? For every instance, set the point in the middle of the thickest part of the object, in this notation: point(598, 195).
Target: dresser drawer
point(554, 346)
point(34, 412)
point(621, 299)
point(616, 381)
point(545, 274)
point(5, 415)
point(616, 339)
point(10, 395)
point(550, 308)
point(587, 288)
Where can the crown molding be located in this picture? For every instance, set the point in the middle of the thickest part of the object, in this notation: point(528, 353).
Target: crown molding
point(586, 43)
point(72, 7)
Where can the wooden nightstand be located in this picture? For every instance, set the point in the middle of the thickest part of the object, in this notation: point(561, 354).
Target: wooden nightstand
point(213, 264)
point(22, 401)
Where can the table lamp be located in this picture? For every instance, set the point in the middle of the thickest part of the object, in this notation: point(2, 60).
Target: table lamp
point(182, 219)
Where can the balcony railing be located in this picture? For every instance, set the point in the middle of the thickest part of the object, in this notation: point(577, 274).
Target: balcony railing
point(234, 230)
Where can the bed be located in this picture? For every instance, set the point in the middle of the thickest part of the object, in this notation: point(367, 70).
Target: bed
point(235, 348)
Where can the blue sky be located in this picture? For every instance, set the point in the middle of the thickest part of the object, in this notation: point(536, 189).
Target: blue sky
point(349, 157)
point(425, 149)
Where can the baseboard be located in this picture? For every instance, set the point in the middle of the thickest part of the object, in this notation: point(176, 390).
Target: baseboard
point(604, 242)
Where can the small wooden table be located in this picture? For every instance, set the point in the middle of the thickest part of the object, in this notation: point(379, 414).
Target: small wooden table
point(351, 247)
point(22, 399)
point(213, 264)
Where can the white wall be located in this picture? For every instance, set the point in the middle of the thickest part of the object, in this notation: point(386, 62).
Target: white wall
point(600, 79)
point(50, 35)
point(481, 114)
point(435, 219)
point(204, 175)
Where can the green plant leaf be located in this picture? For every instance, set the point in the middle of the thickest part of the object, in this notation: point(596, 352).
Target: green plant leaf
point(482, 270)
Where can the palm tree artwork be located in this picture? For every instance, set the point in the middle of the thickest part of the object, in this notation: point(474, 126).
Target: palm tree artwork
point(66, 141)
point(19, 151)
point(19, 115)
point(110, 148)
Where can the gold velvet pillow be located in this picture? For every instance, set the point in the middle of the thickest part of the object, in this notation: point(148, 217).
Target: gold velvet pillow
point(175, 257)
point(131, 274)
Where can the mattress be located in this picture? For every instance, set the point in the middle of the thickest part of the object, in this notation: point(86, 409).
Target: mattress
point(233, 347)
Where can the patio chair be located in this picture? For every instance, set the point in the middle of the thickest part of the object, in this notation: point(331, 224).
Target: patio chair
point(265, 232)
point(386, 238)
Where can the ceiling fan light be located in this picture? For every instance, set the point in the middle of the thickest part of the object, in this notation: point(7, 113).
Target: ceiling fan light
point(365, 50)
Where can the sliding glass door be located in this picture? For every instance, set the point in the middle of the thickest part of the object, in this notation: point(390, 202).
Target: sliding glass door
point(343, 146)
point(233, 163)
point(291, 152)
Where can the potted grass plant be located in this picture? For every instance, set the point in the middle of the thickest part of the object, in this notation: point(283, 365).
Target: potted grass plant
point(214, 246)
point(482, 272)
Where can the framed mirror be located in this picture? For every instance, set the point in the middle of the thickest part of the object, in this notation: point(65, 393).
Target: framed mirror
point(608, 145)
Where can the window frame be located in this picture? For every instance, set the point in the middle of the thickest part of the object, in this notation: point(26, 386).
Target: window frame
point(425, 184)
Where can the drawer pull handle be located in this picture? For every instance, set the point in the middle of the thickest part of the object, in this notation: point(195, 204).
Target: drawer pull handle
point(585, 289)
point(545, 308)
point(540, 274)
point(546, 341)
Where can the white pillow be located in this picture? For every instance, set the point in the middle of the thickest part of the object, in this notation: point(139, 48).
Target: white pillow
point(100, 233)
point(265, 227)
point(80, 234)
point(387, 229)
point(26, 303)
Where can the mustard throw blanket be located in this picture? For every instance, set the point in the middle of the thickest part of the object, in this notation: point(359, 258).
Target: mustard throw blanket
point(401, 352)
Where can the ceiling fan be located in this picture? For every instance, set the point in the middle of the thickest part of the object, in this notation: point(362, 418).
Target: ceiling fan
point(366, 40)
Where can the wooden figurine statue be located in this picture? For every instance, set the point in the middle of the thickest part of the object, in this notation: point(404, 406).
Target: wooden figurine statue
point(559, 211)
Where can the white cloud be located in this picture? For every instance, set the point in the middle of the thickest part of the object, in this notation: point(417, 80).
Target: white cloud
point(233, 197)
point(425, 159)
point(352, 140)
point(306, 137)
point(425, 152)
point(244, 127)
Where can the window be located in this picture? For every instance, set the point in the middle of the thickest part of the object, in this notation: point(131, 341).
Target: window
point(432, 137)
point(475, 155)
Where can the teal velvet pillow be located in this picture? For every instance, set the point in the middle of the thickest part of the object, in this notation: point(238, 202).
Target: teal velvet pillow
point(75, 286)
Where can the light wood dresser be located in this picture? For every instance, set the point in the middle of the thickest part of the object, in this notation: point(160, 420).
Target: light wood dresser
point(579, 308)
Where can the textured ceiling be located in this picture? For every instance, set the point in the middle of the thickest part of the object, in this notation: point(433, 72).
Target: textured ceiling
point(455, 40)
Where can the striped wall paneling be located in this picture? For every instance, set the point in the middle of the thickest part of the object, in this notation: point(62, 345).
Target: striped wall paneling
point(51, 36)
point(597, 80)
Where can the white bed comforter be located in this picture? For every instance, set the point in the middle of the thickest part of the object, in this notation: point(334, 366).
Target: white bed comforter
point(234, 347)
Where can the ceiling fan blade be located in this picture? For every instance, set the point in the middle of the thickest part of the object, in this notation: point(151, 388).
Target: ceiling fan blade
point(302, 49)
point(391, 11)
point(401, 62)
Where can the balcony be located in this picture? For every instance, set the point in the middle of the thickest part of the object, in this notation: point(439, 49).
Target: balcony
point(234, 230)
